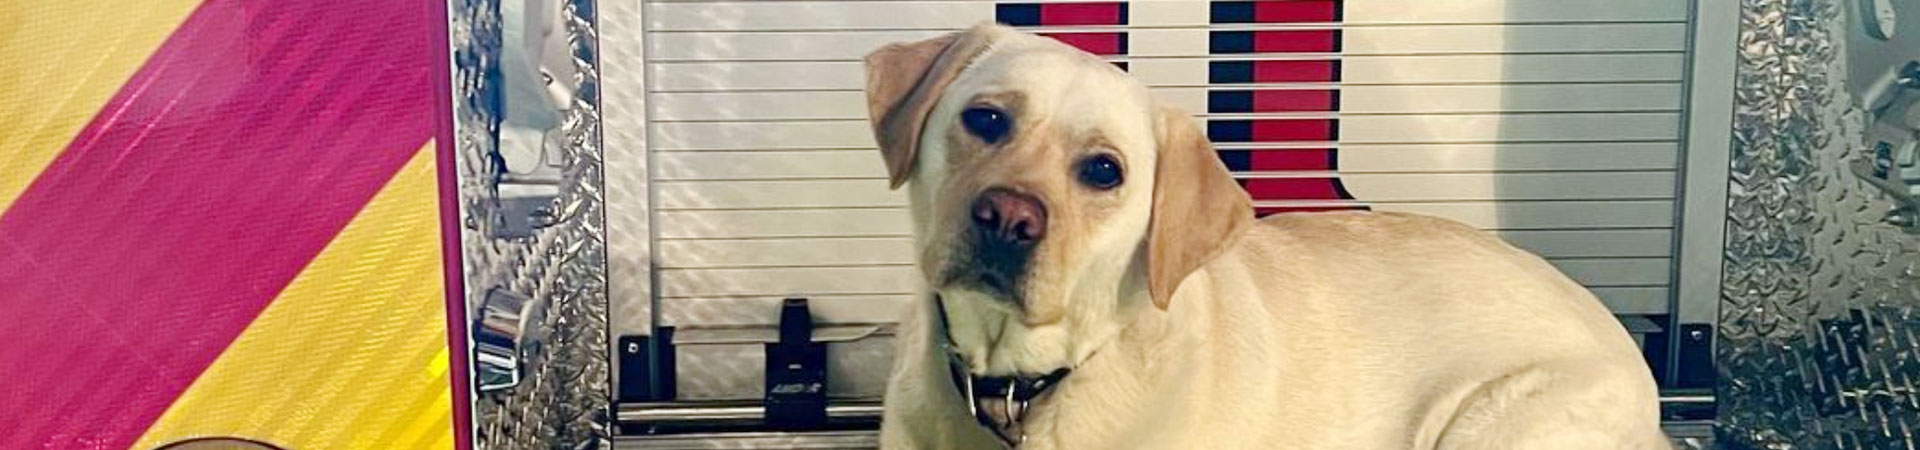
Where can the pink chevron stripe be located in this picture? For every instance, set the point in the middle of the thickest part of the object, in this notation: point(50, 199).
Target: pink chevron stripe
point(226, 163)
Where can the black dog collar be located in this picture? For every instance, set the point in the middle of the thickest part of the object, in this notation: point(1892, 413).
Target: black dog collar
point(998, 403)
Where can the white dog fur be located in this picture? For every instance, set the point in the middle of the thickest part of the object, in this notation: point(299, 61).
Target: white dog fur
point(1186, 323)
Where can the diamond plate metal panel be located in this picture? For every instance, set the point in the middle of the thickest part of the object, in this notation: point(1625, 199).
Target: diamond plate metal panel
point(563, 397)
point(1821, 299)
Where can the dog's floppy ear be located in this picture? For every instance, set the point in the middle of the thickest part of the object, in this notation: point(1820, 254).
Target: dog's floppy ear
point(904, 81)
point(1198, 210)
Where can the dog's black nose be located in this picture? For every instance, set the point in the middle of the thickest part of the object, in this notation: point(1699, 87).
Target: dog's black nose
point(1009, 218)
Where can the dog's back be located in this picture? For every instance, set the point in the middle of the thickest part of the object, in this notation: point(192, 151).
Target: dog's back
point(1408, 322)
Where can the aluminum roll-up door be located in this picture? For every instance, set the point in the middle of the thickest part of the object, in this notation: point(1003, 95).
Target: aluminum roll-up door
point(1554, 123)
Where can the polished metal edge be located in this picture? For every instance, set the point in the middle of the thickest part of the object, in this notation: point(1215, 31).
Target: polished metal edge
point(766, 440)
point(562, 398)
point(643, 413)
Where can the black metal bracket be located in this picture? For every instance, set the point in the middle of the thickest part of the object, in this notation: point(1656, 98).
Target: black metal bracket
point(647, 367)
point(1694, 361)
point(796, 395)
point(1655, 352)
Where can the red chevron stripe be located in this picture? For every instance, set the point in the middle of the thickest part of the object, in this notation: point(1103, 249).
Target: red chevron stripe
point(1286, 11)
point(1293, 100)
point(1291, 159)
point(1095, 43)
point(1295, 71)
point(226, 163)
point(1292, 188)
point(1054, 14)
point(1283, 130)
point(1283, 41)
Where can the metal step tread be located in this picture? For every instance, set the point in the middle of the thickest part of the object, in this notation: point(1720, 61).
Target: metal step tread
point(1683, 409)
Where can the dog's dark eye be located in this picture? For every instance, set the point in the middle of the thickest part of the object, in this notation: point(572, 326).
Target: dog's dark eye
point(1100, 172)
point(988, 124)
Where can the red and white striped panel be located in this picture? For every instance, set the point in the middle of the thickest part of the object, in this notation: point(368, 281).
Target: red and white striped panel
point(1099, 27)
point(1281, 141)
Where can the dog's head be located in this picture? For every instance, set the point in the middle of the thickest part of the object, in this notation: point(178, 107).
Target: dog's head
point(1050, 193)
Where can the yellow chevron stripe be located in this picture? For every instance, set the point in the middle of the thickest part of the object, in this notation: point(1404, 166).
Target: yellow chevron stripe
point(61, 60)
point(349, 356)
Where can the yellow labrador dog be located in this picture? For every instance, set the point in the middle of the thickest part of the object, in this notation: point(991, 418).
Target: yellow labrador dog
point(1099, 282)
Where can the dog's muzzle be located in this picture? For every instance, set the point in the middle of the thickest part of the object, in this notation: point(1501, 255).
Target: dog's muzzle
point(1007, 226)
point(997, 403)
